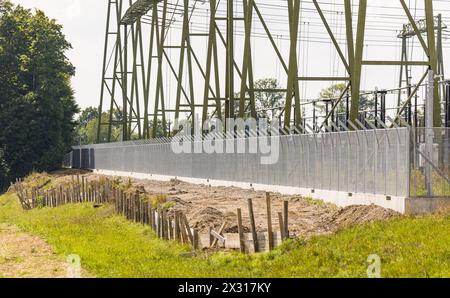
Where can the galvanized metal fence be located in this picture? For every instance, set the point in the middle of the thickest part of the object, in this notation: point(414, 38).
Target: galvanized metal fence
point(430, 167)
point(366, 161)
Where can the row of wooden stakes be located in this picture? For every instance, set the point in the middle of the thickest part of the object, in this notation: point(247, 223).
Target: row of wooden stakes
point(79, 191)
point(167, 224)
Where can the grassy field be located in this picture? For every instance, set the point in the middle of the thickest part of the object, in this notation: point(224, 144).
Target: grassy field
point(109, 246)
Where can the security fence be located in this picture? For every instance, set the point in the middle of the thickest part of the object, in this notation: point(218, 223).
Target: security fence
point(430, 167)
point(365, 161)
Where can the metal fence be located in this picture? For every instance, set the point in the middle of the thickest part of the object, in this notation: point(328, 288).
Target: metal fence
point(430, 168)
point(366, 161)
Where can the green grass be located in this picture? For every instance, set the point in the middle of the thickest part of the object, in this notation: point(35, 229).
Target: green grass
point(109, 246)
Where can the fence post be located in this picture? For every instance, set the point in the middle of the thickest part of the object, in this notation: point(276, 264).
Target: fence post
point(429, 134)
point(253, 225)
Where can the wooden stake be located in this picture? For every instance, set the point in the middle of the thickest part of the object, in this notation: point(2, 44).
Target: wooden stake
point(195, 239)
point(171, 229)
point(150, 213)
point(241, 231)
point(253, 225)
point(177, 227)
point(281, 223)
point(159, 223)
point(269, 221)
point(189, 232)
point(183, 229)
point(83, 192)
point(286, 219)
point(222, 228)
point(211, 238)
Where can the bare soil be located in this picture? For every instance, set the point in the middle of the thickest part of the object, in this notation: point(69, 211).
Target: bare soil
point(207, 206)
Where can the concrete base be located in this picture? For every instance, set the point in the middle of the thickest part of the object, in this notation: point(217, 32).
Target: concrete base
point(339, 198)
point(420, 206)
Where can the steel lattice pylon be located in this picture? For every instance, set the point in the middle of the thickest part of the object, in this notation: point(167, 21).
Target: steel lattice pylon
point(136, 64)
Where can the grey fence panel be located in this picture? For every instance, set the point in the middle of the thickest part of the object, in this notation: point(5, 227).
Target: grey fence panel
point(374, 162)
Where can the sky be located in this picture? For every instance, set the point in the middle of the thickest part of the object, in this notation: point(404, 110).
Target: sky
point(84, 26)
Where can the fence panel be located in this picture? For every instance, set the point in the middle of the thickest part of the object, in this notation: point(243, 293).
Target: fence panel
point(373, 162)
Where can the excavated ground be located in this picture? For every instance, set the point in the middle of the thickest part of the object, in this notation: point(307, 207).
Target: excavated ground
point(207, 206)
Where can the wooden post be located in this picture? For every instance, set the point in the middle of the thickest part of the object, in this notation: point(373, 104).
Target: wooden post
point(196, 239)
point(189, 232)
point(222, 228)
point(269, 221)
point(253, 225)
point(241, 231)
point(163, 224)
point(83, 193)
point(281, 223)
point(177, 227)
point(115, 200)
point(155, 224)
point(171, 229)
point(122, 202)
point(183, 229)
point(136, 208)
point(159, 222)
point(150, 213)
point(78, 189)
point(286, 219)
point(142, 213)
point(211, 238)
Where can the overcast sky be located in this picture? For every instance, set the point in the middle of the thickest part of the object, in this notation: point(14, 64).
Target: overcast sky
point(84, 27)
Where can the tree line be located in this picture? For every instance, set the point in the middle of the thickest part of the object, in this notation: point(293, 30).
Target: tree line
point(37, 105)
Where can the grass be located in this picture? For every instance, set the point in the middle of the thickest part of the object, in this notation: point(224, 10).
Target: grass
point(440, 185)
point(109, 246)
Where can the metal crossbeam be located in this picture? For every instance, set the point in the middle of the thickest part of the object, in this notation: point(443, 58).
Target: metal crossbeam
point(137, 10)
point(154, 80)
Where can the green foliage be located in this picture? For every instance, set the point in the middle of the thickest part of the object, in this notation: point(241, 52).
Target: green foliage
point(333, 93)
point(109, 246)
point(265, 101)
point(4, 171)
point(36, 99)
point(86, 131)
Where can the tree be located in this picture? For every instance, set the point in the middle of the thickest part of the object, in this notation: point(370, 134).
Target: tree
point(333, 93)
point(269, 103)
point(36, 100)
point(87, 115)
point(4, 171)
point(86, 130)
point(267, 100)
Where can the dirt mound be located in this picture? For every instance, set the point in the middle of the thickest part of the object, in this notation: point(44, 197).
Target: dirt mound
point(204, 218)
point(358, 214)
